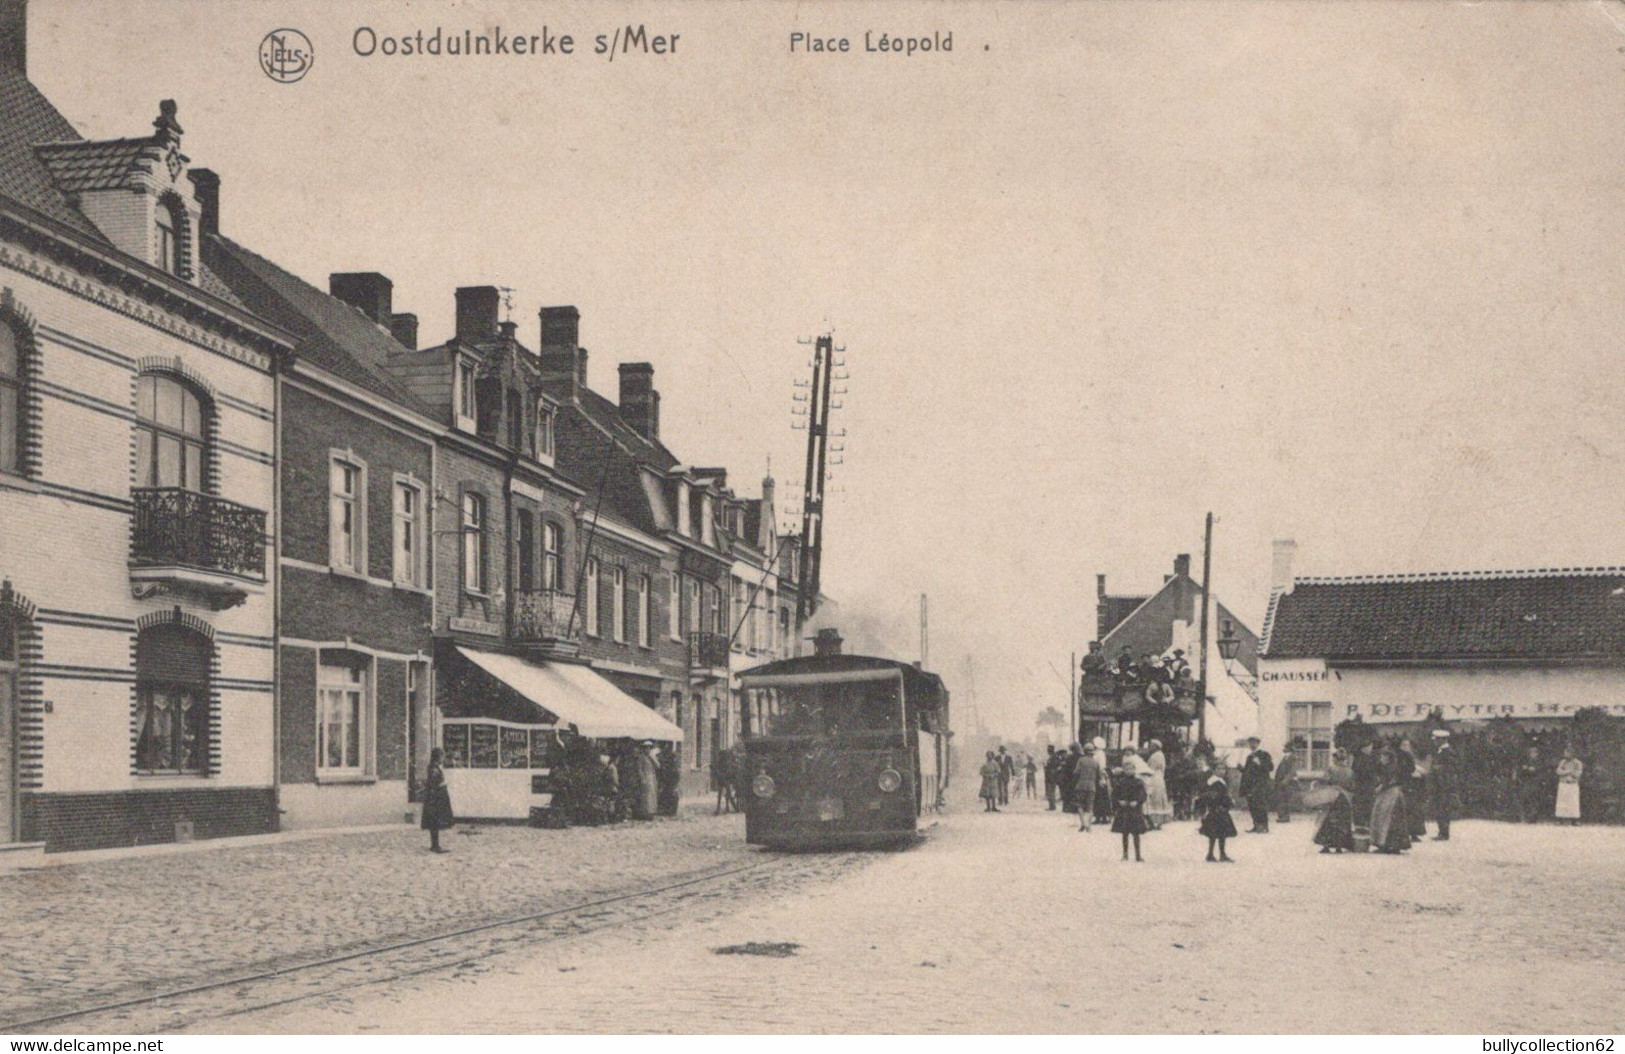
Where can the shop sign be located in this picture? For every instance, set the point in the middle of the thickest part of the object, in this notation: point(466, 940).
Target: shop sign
point(1378, 712)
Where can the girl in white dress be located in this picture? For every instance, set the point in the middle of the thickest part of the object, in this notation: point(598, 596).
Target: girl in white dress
point(1569, 771)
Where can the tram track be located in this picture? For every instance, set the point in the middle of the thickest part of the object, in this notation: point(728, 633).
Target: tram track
point(391, 960)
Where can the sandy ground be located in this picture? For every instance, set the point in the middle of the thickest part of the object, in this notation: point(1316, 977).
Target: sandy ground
point(1017, 923)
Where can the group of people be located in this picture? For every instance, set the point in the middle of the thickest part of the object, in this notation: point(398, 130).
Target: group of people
point(592, 785)
point(1004, 774)
point(1378, 796)
point(1128, 671)
point(1128, 789)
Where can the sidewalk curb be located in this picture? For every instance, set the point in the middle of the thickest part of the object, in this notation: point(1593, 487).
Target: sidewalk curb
point(135, 852)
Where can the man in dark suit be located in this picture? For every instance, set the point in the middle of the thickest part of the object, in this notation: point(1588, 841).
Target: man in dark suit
point(1442, 783)
point(1257, 775)
point(1052, 776)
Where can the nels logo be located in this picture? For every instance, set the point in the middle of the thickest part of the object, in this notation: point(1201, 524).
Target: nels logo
point(286, 55)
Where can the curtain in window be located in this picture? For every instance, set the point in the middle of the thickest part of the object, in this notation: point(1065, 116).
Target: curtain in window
point(172, 678)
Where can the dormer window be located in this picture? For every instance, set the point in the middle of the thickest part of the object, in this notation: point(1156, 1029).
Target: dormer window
point(466, 398)
point(542, 438)
point(168, 259)
point(172, 236)
point(516, 420)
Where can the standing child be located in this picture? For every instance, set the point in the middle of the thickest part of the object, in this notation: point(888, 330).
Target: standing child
point(1128, 806)
point(1213, 804)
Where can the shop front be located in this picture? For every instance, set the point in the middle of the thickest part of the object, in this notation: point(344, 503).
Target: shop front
point(508, 724)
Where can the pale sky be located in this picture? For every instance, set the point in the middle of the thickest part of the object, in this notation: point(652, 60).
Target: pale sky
point(1347, 273)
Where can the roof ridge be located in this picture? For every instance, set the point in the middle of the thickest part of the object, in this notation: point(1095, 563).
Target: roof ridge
point(80, 144)
point(1461, 576)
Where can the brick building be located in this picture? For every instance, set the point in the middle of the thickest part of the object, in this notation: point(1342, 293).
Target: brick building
point(137, 441)
point(355, 537)
point(1161, 624)
point(643, 491)
point(547, 603)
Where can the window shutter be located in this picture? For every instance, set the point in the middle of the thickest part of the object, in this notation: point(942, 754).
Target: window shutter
point(174, 655)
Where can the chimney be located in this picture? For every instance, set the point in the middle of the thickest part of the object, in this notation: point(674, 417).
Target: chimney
point(1100, 587)
point(14, 35)
point(477, 309)
point(1281, 577)
point(368, 291)
point(404, 328)
point(769, 515)
point(563, 360)
point(827, 642)
point(1182, 565)
point(206, 189)
point(640, 403)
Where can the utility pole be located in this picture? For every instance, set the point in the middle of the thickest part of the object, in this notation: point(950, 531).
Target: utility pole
point(1072, 703)
point(1207, 599)
point(818, 451)
point(925, 637)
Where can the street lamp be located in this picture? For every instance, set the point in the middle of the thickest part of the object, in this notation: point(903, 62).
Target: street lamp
point(1229, 644)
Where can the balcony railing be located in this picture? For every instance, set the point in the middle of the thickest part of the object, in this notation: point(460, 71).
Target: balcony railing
point(544, 615)
point(708, 651)
point(182, 528)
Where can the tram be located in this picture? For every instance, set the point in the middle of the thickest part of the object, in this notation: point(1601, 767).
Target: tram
point(850, 750)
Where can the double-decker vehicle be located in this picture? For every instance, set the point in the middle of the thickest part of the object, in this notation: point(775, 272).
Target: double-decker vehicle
point(847, 750)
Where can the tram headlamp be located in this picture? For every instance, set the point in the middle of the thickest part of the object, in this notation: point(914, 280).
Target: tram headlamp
point(890, 780)
point(763, 786)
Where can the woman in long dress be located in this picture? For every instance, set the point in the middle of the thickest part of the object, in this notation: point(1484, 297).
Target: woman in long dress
point(991, 772)
point(1158, 808)
point(1334, 833)
point(1390, 825)
point(437, 814)
point(1569, 771)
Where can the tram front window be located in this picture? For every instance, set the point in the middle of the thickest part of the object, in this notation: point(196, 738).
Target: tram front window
point(834, 709)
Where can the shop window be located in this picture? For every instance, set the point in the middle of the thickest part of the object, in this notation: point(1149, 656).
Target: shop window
point(170, 445)
point(172, 700)
point(1309, 735)
point(454, 741)
point(482, 746)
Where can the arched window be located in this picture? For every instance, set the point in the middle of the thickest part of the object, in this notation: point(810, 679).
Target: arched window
point(552, 572)
point(169, 434)
point(172, 700)
point(11, 399)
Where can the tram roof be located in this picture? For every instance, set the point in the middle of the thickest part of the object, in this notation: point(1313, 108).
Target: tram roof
point(923, 686)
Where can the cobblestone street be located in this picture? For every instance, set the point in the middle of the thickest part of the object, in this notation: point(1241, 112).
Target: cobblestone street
point(106, 929)
point(1017, 923)
point(1005, 923)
